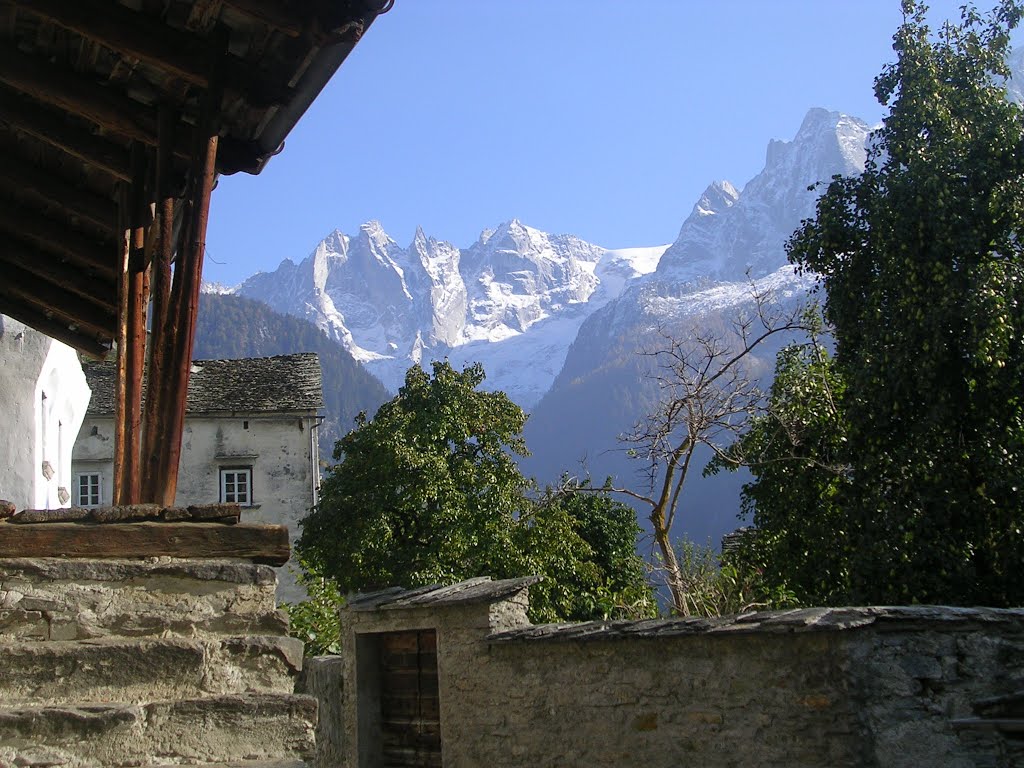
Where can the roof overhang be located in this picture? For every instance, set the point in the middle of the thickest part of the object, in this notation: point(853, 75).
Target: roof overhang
point(83, 88)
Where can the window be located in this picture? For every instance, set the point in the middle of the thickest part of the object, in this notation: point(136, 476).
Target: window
point(236, 486)
point(87, 487)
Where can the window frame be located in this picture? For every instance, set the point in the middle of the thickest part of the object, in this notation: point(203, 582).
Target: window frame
point(235, 472)
point(96, 487)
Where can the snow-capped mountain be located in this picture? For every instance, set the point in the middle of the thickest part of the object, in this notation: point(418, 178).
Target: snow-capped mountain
point(513, 300)
point(731, 246)
point(556, 321)
point(518, 298)
point(729, 233)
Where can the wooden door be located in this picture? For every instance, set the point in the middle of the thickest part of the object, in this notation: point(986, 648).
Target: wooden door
point(410, 709)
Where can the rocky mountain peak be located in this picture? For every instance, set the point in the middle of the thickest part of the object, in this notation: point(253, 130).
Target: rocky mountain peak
point(729, 233)
point(718, 196)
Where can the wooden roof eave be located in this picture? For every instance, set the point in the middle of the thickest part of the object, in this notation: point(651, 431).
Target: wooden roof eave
point(68, 123)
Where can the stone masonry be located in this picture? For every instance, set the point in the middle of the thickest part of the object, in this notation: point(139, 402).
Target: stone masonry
point(899, 687)
point(159, 661)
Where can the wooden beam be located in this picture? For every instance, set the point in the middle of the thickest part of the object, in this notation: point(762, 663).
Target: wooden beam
point(59, 131)
point(69, 307)
point(96, 257)
point(258, 543)
point(149, 40)
point(95, 312)
point(48, 185)
point(45, 322)
point(63, 275)
point(135, 349)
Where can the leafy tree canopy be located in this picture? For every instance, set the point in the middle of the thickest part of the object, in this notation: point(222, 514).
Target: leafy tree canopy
point(921, 260)
point(428, 492)
point(796, 452)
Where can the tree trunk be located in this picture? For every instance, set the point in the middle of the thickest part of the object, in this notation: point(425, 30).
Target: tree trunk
point(673, 575)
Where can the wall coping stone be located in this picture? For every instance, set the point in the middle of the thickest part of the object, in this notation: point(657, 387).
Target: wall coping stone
point(883, 618)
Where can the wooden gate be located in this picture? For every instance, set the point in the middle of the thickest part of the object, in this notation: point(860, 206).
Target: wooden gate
point(410, 724)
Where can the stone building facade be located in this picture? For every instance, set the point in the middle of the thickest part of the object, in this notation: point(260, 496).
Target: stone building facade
point(250, 437)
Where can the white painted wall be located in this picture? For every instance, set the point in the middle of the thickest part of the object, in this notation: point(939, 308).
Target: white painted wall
point(43, 398)
point(280, 449)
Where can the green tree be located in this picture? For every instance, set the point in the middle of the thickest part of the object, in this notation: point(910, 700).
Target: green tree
point(317, 619)
point(428, 492)
point(584, 544)
point(796, 452)
point(921, 260)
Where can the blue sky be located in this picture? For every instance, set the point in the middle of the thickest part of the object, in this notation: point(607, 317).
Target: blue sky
point(601, 118)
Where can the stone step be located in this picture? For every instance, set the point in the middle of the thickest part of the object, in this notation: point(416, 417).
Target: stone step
point(133, 670)
point(242, 764)
point(246, 729)
point(58, 599)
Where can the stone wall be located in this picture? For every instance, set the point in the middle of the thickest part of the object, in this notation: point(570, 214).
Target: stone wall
point(818, 687)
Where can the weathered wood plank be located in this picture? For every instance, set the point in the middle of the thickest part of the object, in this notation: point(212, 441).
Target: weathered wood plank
point(267, 544)
point(54, 186)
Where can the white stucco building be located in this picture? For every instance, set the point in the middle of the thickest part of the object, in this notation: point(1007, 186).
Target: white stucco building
point(43, 399)
point(250, 437)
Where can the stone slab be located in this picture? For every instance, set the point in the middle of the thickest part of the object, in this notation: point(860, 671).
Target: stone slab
point(133, 671)
point(56, 599)
point(224, 729)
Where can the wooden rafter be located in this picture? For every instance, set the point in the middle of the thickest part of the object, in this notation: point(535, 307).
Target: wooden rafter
point(63, 275)
point(78, 94)
point(54, 129)
point(19, 175)
point(146, 39)
point(53, 292)
point(44, 320)
point(319, 20)
point(94, 256)
point(73, 310)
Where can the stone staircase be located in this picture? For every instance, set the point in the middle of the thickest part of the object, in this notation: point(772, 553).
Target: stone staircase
point(154, 662)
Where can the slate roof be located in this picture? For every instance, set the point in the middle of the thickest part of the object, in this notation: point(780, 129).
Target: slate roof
point(893, 618)
point(479, 590)
point(252, 384)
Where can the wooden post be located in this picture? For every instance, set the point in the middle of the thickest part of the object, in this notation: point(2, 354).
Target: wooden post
point(138, 288)
point(153, 437)
point(121, 360)
point(131, 342)
point(187, 279)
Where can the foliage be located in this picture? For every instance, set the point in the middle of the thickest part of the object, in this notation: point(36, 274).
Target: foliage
point(317, 619)
point(428, 492)
point(921, 258)
point(717, 586)
point(585, 546)
point(796, 453)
